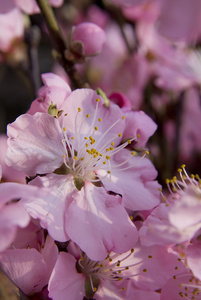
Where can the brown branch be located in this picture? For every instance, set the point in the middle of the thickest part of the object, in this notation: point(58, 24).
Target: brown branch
point(52, 25)
point(8, 290)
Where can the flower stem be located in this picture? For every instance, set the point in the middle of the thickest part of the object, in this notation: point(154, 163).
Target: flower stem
point(52, 25)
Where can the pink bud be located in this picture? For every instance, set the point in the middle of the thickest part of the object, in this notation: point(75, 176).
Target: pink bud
point(91, 36)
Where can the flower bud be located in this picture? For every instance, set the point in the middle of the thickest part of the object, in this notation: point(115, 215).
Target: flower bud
point(87, 39)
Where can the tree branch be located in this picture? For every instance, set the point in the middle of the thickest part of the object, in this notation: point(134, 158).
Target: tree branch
point(52, 25)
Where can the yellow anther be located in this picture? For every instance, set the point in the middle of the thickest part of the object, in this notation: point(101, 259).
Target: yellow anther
point(133, 153)
point(96, 128)
point(167, 181)
point(64, 155)
point(120, 278)
point(129, 141)
point(95, 289)
point(132, 250)
point(75, 157)
point(192, 176)
point(99, 119)
point(104, 162)
point(131, 218)
point(111, 148)
point(86, 145)
point(123, 288)
point(97, 100)
point(87, 115)
point(138, 135)
point(183, 166)
point(64, 128)
point(120, 134)
point(107, 149)
point(119, 272)
point(126, 268)
point(147, 152)
point(108, 172)
point(150, 256)
point(95, 155)
point(72, 138)
point(107, 157)
point(85, 138)
point(110, 259)
point(144, 270)
point(112, 144)
point(82, 158)
point(123, 117)
point(79, 109)
point(179, 170)
point(174, 178)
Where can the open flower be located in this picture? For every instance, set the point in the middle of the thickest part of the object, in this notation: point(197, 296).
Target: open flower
point(91, 173)
point(138, 272)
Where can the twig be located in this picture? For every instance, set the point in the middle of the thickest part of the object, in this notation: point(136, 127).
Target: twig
point(52, 25)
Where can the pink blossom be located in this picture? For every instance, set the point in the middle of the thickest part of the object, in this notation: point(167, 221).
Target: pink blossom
point(91, 38)
point(179, 20)
point(28, 6)
point(87, 151)
point(10, 31)
point(120, 276)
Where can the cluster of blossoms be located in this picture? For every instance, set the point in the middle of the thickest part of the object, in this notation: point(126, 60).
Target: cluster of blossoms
point(82, 212)
point(92, 222)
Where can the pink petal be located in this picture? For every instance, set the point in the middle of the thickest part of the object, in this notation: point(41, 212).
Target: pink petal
point(65, 282)
point(55, 90)
point(35, 144)
point(137, 122)
point(98, 230)
point(26, 268)
point(11, 216)
point(77, 122)
point(136, 184)
point(193, 253)
point(50, 209)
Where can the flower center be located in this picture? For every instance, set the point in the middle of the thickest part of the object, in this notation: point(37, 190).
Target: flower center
point(83, 155)
point(112, 269)
point(185, 182)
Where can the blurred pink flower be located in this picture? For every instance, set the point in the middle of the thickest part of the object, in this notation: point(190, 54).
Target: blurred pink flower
point(10, 31)
point(28, 6)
